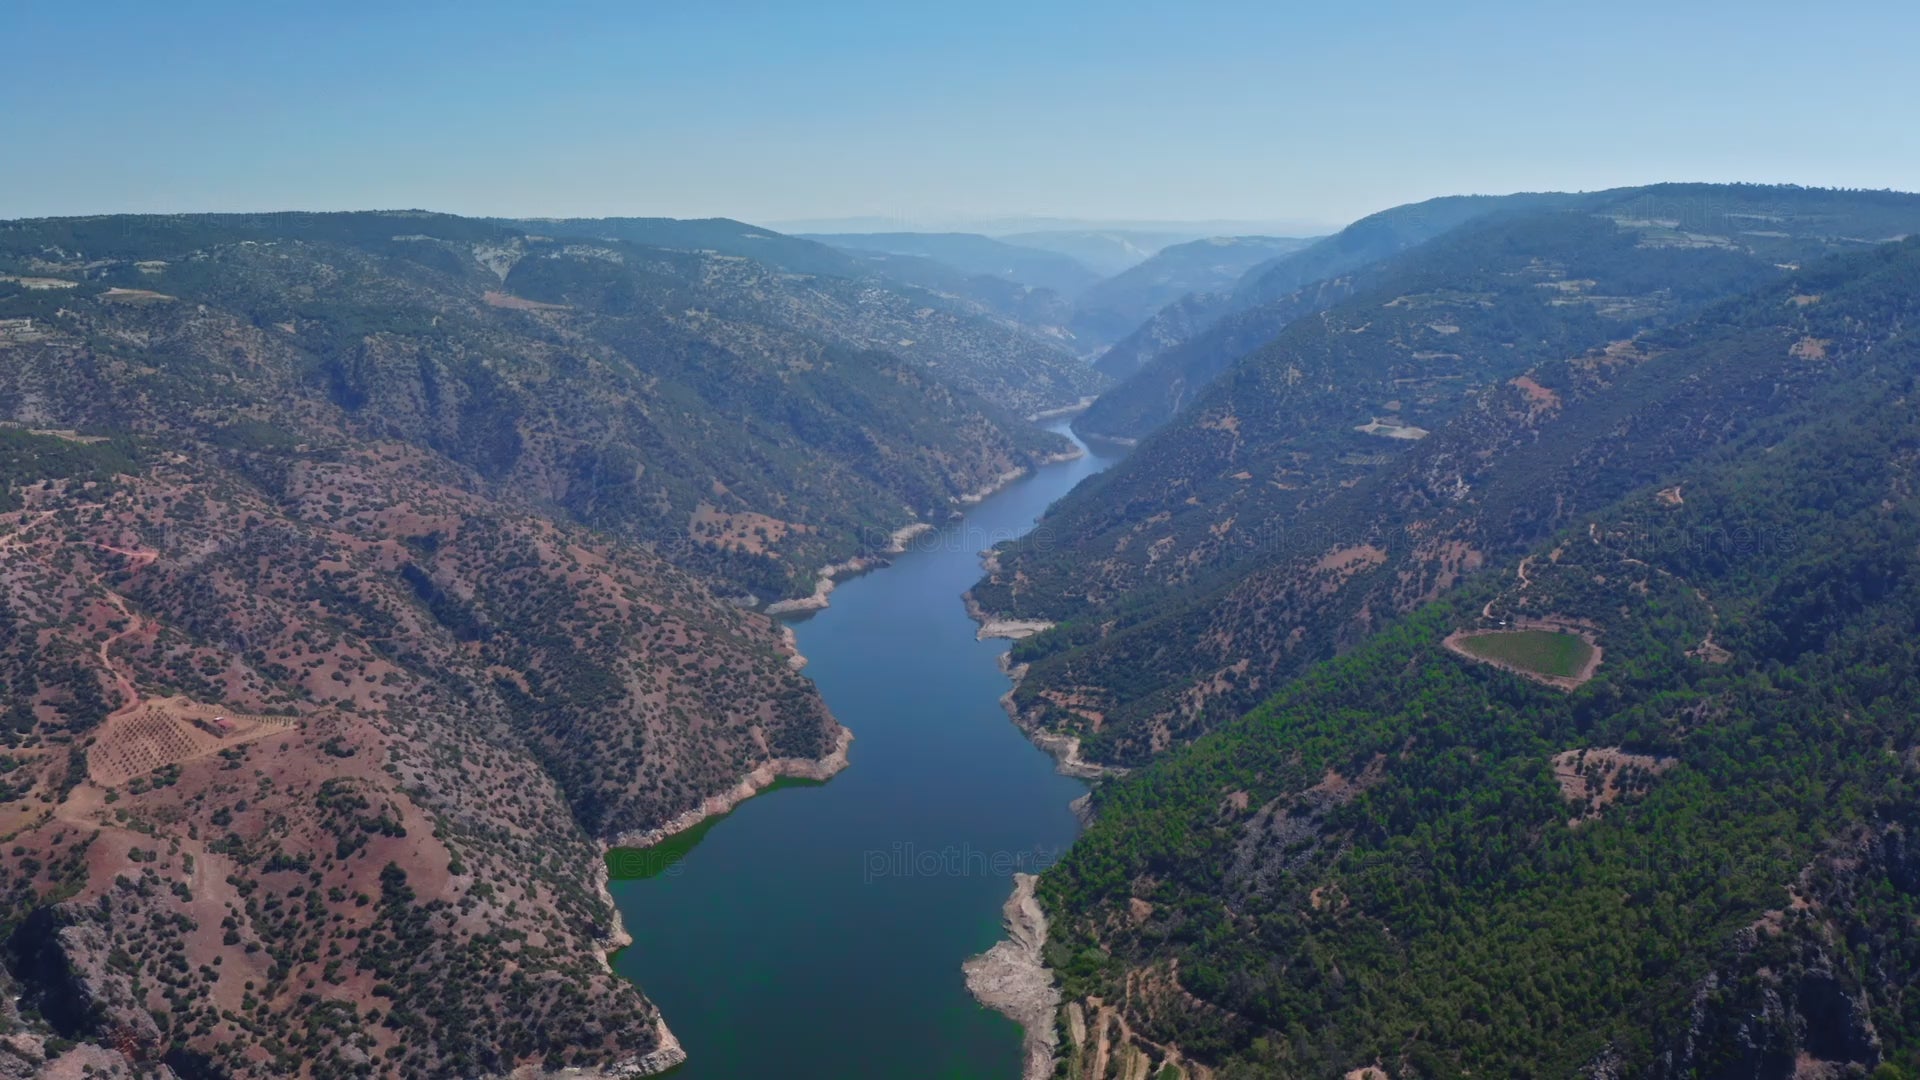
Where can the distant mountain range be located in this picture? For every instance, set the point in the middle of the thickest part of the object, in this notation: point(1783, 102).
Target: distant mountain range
point(1116, 306)
point(1272, 281)
point(1060, 292)
point(1002, 227)
point(972, 254)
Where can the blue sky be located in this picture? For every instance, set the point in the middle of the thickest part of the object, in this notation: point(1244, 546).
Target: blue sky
point(928, 111)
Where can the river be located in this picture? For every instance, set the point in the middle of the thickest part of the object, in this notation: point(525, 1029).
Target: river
point(818, 931)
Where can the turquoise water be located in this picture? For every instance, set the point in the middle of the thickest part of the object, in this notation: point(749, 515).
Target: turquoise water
point(819, 931)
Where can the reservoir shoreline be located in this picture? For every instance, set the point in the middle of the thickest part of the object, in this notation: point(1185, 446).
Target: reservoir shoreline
point(823, 932)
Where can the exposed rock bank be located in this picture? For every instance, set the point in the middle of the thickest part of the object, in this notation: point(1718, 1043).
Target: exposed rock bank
point(750, 785)
point(662, 1057)
point(859, 564)
point(1074, 409)
point(1016, 473)
point(1011, 979)
point(1064, 748)
point(1011, 629)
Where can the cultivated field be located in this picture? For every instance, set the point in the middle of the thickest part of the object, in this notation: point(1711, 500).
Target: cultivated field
point(1556, 657)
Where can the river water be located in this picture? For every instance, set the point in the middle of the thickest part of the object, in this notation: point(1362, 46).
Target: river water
point(818, 931)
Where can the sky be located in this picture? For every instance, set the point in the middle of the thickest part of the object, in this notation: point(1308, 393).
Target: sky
point(925, 114)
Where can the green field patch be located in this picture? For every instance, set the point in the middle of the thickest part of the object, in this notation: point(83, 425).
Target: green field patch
point(1552, 654)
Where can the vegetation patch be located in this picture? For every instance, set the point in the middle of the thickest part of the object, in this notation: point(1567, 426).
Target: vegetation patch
point(1593, 778)
point(1556, 657)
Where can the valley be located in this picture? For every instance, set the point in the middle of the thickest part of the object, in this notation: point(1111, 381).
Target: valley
point(959, 542)
point(880, 883)
point(406, 614)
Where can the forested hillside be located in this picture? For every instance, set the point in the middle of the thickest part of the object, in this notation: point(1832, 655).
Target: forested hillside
point(1116, 306)
point(1692, 858)
point(980, 332)
point(1372, 238)
point(1022, 319)
point(363, 575)
point(1372, 456)
point(1170, 360)
point(735, 418)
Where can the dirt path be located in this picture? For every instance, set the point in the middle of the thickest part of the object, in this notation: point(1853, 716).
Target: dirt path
point(1486, 610)
point(122, 678)
point(138, 559)
point(1707, 649)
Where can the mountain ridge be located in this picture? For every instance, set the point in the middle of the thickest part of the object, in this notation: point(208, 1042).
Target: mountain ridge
point(1655, 869)
point(1214, 526)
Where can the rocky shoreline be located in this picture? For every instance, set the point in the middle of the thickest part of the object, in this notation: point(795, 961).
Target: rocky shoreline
point(995, 485)
point(824, 580)
point(1064, 748)
point(791, 642)
point(1012, 979)
point(1074, 409)
point(669, 1053)
point(750, 785)
point(973, 497)
point(1126, 441)
point(992, 627)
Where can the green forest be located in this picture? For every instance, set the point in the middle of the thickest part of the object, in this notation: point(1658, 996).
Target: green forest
point(1402, 858)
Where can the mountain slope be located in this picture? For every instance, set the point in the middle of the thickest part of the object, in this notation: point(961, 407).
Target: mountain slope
point(1359, 465)
point(1697, 863)
point(1368, 240)
point(974, 254)
point(978, 335)
point(727, 415)
point(1112, 308)
point(1174, 355)
point(312, 749)
point(1105, 251)
point(1042, 313)
point(357, 589)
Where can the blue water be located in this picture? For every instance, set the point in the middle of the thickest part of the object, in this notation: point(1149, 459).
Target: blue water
point(819, 931)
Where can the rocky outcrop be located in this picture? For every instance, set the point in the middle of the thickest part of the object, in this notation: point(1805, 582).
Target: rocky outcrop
point(1012, 979)
point(1795, 994)
point(666, 1055)
point(992, 626)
